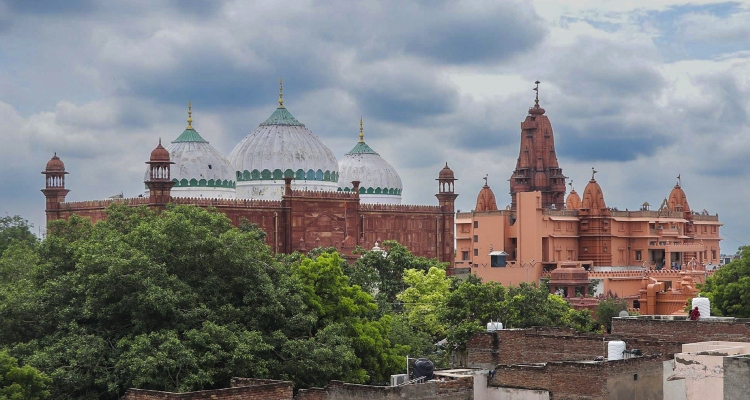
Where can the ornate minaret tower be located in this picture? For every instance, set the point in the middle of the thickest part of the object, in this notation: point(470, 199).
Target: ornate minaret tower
point(447, 199)
point(54, 190)
point(159, 182)
point(537, 168)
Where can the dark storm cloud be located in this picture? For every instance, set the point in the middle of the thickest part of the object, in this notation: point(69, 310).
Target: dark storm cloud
point(52, 8)
point(405, 98)
point(464, 36)
point(609, 142)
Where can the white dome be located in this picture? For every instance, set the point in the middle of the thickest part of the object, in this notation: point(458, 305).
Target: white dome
point(378, 180)
point(282, 147)
point(199, 169)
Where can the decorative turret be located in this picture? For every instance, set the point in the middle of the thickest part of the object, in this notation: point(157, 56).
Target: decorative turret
point(678, 201)
point(447, 199)
point(159, 181)
point(573, 202)
point(54, 190)
point(595, 237)
point(537, 168)
point(593, 198)
point(486, 199)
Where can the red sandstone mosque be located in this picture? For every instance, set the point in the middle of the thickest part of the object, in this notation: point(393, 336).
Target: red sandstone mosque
point(579, 240)
point(283, 178)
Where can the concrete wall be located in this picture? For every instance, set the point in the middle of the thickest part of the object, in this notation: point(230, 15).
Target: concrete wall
point(674, 389)
point(737, 377)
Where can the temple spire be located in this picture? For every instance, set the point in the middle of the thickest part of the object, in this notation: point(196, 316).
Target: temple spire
point(361, 131)
point(190, 116)
point(281, 93)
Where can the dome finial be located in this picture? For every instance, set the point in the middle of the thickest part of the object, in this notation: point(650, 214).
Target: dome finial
point(593, 172)
point(190, 115)
point(486, 176)
point(571, 185)
point(536, 89)
point(361, 131)
point(679, 181)
point(281, 93)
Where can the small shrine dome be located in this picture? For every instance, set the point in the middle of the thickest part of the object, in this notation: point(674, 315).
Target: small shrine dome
point(486, 199)
point(379, 182)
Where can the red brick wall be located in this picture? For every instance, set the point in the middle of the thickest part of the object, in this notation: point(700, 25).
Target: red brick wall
point(576, 380)
point(682, 330)
point(538, 345)
point(273, 391)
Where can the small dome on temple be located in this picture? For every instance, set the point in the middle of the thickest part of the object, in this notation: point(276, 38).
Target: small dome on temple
point(447, 173)
point(159, 154)
point(55, 164)
point(573, 201)
point(593, 197)
point(677, 199)
point(486, 199)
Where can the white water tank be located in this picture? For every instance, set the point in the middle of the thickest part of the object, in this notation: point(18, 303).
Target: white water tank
point(704, 306)
point(615, 350)
point(494, 326)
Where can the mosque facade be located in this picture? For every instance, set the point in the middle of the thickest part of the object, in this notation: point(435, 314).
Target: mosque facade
point(542, 230)
point(283, 178)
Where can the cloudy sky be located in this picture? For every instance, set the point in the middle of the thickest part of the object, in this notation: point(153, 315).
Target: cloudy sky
point(642, 90)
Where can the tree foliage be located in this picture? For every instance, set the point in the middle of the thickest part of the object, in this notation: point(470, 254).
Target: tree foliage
point(382, 272)
point(609, 308)
point(15, 229)
point(21, 382)
point(729, 288)
point(181, 300)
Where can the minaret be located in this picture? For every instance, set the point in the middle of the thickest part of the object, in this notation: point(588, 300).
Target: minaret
point(159, 181)
point(447, 200)
point(537, 168)
point(54, 189)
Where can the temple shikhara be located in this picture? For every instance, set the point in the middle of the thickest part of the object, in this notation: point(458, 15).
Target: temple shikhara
point(283, 178)
point(652, 256)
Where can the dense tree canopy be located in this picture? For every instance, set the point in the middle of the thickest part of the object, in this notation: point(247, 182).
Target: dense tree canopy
point(15, 229)
point(181, 300)
point(729, 288)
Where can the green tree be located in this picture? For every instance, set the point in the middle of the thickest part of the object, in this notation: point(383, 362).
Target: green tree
point(609, 308)
point(15, 229)
point(423, 298)
point(729, 288)
point(381, 272)
point(21, 383)
point(183, 286)
point(351, 310)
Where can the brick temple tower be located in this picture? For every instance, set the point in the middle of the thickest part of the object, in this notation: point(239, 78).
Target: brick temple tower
point(537, 168)
point(159, 180)
point(54, 189)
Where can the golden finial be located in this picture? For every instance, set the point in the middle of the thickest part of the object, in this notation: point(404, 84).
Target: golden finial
point(361, 131)
point(281, 93)
point(190, 115)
